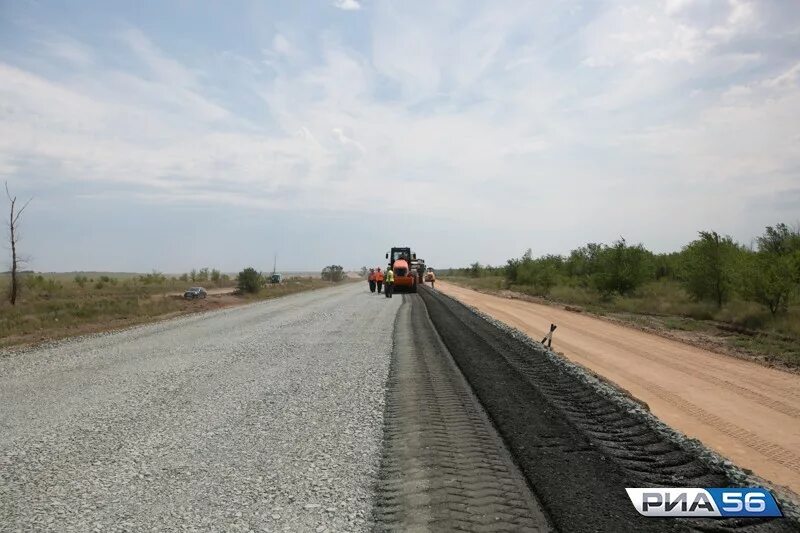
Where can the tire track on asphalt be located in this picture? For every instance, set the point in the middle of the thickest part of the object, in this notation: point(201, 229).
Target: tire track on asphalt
point(768, 449)
point(579, 447)
point(444, 467)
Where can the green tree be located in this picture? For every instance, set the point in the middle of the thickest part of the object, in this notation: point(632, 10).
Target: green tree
point(622, 268)
point(333, 273)
point(154, 278)
point(364, 271)
point(583, 263)
point(203, 274)
point(249, 280)
point(541, 274)
point(215, 275)
point(709, 267)
point(193, 275)
point(475, 270)
point(769, 279)
point(513, 266)
point(779, 240)
point(772, 274)
point(184, 277)
point(667, 265)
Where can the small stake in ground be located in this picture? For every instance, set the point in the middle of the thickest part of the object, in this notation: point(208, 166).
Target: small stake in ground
point(549, 336)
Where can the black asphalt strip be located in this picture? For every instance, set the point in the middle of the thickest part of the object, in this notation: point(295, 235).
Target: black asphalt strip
point(578, 448)
point(443, 466)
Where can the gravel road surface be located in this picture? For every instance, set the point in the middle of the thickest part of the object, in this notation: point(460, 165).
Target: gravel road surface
point(265, 418)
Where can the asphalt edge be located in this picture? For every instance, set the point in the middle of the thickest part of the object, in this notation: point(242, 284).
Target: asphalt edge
point(789, 503)
point(504, 448)
point(375, 485)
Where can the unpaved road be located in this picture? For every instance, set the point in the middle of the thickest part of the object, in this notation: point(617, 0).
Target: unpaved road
point(746, 412)
point(266, 417)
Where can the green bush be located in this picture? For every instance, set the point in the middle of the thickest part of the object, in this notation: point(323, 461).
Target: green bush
point(742, 313)
point(333, 273)
point(709, 267)
point(540, 274)
point(249, 280)
point(574, 295)
point(622, 268)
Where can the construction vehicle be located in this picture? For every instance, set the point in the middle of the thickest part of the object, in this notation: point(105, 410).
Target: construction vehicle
point(400, 261)
point(275, 277)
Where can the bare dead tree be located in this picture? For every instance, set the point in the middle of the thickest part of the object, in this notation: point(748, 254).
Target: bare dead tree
point(13, 234)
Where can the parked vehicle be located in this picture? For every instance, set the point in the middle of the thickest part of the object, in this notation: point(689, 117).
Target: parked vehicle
point(194, 293)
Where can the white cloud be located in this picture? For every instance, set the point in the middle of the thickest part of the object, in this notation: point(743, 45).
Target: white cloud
point(164, 68)
point(347, 5)
point(282, 45)
point(347, 141)
point(484, 111)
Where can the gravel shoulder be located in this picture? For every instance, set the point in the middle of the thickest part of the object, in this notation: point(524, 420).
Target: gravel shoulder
point(266, 417)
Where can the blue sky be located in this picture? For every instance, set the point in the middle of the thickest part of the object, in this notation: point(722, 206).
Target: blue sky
point(172, 135)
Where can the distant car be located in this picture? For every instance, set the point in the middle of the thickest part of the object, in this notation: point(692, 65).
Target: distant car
point(195, 292)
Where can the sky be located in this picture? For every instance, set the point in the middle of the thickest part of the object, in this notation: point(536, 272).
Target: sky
point(177, 135)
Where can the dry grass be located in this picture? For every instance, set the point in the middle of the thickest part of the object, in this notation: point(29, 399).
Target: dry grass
point(55, 305)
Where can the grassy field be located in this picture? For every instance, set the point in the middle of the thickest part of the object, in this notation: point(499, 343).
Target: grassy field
point(742, 327)
point(52, 306)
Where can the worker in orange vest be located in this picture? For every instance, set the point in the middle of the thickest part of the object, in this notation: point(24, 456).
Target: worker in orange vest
point(371, 279)
point(379, 279)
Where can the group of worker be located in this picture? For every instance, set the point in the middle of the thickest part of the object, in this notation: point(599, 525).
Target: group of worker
point(385, 282)
point(378, 279)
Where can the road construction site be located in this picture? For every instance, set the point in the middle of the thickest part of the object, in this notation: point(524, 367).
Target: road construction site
point(745, 411)
point(335, 410)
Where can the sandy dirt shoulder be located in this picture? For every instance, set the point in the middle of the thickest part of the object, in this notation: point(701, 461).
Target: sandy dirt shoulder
point(745, 411)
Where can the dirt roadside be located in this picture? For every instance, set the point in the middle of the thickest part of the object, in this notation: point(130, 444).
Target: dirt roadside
point(744, 411)
point(218, 298)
